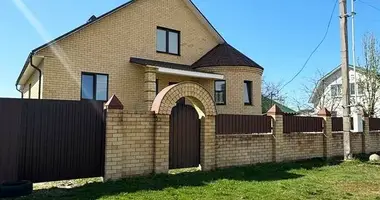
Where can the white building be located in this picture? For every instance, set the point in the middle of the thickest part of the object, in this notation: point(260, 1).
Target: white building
point(328, 92)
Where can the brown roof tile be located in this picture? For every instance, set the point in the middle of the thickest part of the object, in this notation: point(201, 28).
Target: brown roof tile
point(225, 55)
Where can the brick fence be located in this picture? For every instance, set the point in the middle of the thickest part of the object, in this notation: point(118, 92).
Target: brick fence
point(243, 149)
point(138, 143)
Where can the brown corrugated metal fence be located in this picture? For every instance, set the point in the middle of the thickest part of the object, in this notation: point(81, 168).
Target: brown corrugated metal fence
point(374, 124)
point(243, 124)
point(55, 140)
point(297, 124)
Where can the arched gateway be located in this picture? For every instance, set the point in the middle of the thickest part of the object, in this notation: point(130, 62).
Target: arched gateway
point(178, 141)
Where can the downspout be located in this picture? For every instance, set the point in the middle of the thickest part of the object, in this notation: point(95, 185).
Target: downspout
point(40, 74)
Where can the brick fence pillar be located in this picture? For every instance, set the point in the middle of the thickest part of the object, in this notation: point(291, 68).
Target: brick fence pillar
point(208, 152)
point(149, 86)
point(113, 165)
point(278, 133)
point(327, 132)
point(161, 144)
point(366, 136)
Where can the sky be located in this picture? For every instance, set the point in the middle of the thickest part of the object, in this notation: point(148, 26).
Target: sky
point(279, 35)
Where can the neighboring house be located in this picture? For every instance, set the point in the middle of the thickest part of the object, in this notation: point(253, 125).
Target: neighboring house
point(267, 103)
point(120, 51)
point(328, 92)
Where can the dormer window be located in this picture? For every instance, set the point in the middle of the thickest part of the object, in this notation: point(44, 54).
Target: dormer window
point(167, 41)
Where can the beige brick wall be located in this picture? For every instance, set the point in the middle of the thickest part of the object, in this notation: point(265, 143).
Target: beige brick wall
point(298, 146)
point(107, 45)
point(374, 141)
point(235, 77)
point(129, 144)
point(235, 150)
point(356, 144)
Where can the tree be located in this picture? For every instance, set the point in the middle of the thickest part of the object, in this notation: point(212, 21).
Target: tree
point(369, 81)
point(272, 91)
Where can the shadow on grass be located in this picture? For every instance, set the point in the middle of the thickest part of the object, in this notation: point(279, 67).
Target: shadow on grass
point(260, 172)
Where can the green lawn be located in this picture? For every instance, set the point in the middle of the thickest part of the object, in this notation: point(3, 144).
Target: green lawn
point(313, 179)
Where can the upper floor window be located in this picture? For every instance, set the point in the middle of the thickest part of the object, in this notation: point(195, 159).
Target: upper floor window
point(247, 92)
point(167, 41)
point(336, 90)
point(352, 89)
point(94, 86)
point(220, 92)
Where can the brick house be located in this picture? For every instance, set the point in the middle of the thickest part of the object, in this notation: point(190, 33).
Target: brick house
point(146, 58)
point(112, 54)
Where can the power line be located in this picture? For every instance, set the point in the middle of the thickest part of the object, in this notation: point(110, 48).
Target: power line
point(316, 48)
point(370, 5)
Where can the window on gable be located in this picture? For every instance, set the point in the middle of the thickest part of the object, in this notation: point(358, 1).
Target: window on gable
point(94, 86)
point(336, 90)
point(247, 92)
point(220, 92)
point(167, 41)
point(352, 89)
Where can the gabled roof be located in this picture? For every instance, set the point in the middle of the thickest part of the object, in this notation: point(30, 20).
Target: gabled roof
point(225, 55)
point(94, 19)
point(351, 67)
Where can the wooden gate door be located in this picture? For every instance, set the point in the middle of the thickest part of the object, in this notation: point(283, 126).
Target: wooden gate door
point(184, 137)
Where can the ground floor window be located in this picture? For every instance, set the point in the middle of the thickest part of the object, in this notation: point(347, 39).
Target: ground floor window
point(247, 92)
point(94, 86)
point(220, 92)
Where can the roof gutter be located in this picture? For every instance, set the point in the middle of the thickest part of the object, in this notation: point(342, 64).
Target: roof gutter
point(30, 60)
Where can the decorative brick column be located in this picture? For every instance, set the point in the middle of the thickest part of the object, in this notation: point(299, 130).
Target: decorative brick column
point(366, 136)
point(208, 152)
point(149, 86)
point(114, 143)
point(161, 144)
point(278, 133)
point(327, 132)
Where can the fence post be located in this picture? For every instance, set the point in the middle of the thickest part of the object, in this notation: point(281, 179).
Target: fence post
point(113, 164)
point(278, 133)
point(327, 132)
point(366, 135)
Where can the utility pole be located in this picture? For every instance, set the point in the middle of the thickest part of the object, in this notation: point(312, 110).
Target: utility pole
point(345, 81)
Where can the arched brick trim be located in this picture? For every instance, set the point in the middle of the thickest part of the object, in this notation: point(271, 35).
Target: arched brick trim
point(200, 97)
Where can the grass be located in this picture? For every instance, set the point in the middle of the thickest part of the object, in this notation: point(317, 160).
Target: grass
point(312, 179)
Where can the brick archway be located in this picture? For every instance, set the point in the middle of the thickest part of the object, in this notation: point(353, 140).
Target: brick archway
point(162, 106)
point(199, 97)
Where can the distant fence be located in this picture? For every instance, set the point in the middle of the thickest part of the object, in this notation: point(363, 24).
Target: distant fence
point(374, 124)
point(46, 140)
point(302, 124)
point(337, 124)
point(243, 124)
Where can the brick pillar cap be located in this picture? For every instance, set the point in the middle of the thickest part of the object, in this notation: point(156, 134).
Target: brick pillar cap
point(275, 110)
point(114, 103)
point(324, 112)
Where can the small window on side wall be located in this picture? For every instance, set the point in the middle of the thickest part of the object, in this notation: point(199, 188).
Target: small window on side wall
point(94, 86)
point(247, 92)
point(220, 92)
point(167, 41)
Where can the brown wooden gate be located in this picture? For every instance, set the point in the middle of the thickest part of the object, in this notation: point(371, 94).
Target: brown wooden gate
point(184, 137)
point(46, 140)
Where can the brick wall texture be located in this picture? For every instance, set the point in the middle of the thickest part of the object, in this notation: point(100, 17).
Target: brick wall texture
point(129, 144)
